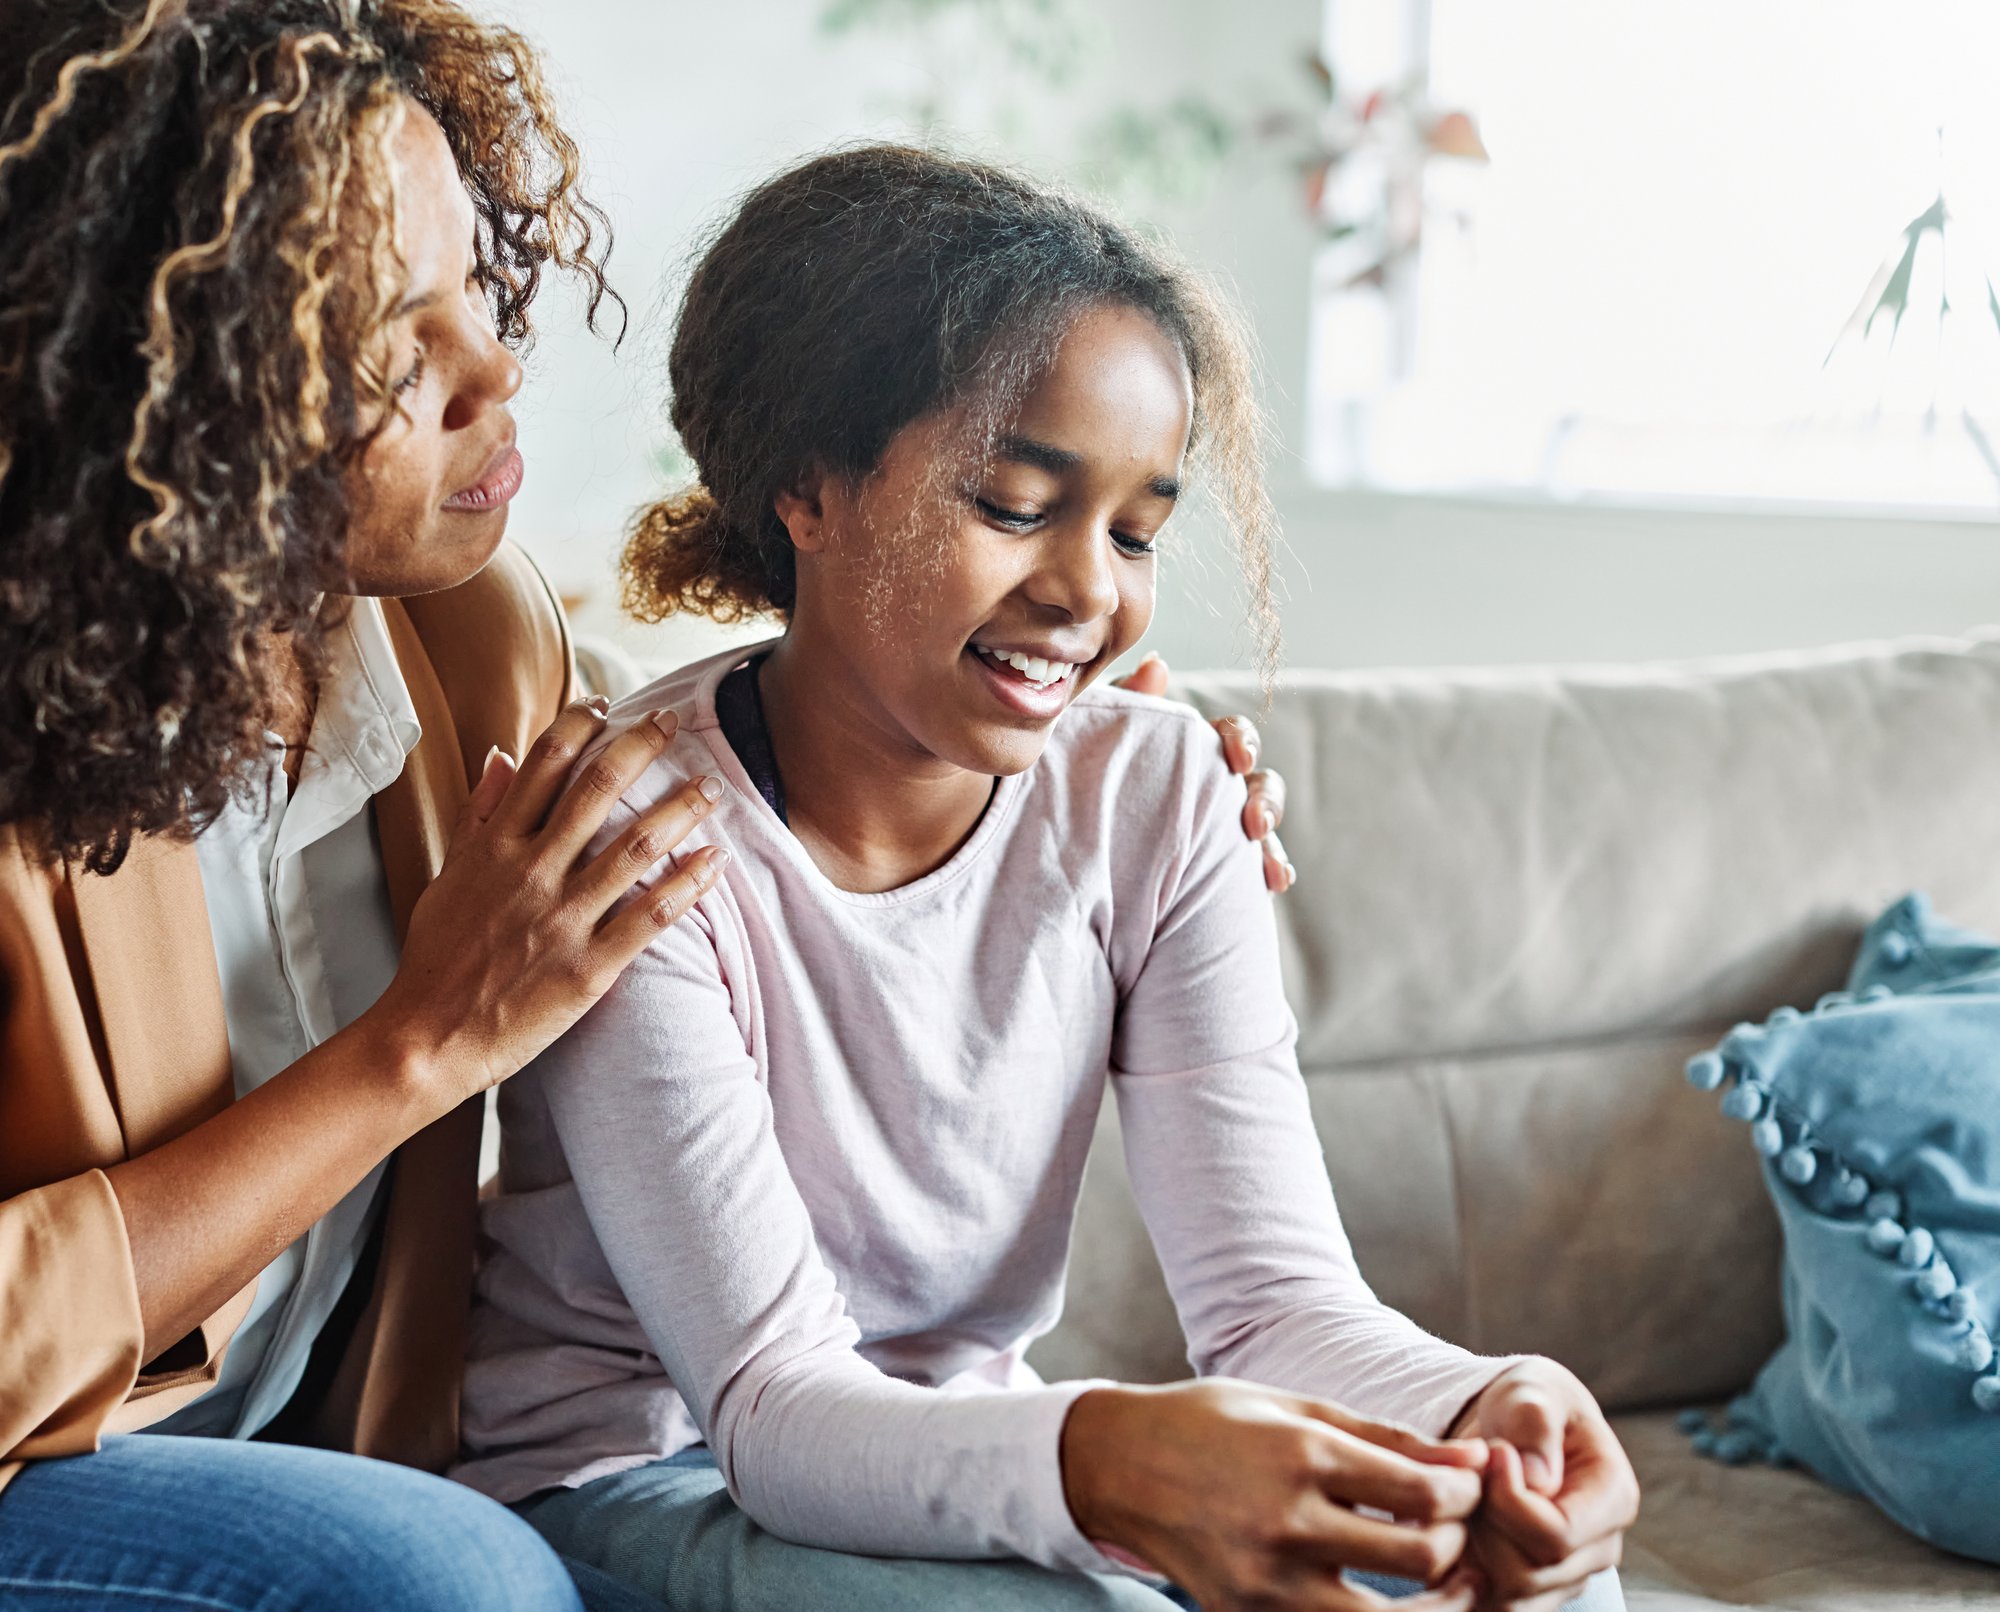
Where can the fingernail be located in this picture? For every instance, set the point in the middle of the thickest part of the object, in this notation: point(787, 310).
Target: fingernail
point(1152, 656)
point(668, 722)
point(486, 766)
point(1536, 1471)
point(718, 859)
point(711, 789)
point(1264, 823)
point(597, 703)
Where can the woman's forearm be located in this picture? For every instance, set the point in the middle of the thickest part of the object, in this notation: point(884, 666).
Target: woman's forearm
point(207, 1211)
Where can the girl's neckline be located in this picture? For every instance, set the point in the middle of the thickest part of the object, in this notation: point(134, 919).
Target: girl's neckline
point(751, 800)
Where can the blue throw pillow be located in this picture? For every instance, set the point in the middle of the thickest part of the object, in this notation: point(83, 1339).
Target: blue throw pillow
point(1878, 1116)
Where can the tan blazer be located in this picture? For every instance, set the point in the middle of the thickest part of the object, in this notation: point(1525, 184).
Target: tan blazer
point(112, 1041)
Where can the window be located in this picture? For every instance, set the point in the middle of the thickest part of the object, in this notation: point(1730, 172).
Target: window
point(1651, 291)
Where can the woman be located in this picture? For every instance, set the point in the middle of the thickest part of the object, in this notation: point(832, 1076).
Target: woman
point(780, 1216)
point(263, 265)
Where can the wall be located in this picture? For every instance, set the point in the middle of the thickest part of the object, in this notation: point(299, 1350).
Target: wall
point(681, 106)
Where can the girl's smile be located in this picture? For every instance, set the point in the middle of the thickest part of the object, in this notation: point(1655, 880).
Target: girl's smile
point(1034, 686)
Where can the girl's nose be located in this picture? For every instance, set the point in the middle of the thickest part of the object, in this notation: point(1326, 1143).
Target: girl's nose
point(1076, 576)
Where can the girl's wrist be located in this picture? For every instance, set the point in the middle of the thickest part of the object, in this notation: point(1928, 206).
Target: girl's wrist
point(1097, 1435)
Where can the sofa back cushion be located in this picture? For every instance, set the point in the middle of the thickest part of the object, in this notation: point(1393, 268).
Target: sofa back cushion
point(1525, 898)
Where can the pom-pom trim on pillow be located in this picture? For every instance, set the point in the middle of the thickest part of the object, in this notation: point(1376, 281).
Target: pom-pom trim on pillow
point(1780, 1131)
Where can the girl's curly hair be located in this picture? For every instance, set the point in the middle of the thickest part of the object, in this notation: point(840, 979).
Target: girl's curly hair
point(870, 287)
point(196, 257)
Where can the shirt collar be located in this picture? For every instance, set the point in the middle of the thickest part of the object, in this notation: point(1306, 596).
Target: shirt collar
point(364, 727)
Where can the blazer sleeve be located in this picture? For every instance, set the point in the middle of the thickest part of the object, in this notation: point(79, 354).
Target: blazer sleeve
point(71, 1336)
point(69, 1315)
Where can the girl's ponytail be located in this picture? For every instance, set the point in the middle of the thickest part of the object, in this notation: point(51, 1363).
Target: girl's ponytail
point(684, 553)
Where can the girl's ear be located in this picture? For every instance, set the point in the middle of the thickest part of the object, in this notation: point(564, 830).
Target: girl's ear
point(802, 508)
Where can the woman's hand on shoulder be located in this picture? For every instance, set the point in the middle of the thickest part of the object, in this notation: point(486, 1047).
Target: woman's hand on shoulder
point(1560, 1492)
point(1248, 1498)
point(1264, 811)
point(515, 938)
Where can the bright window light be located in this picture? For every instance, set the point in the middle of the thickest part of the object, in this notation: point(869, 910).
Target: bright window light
point(1651, 292)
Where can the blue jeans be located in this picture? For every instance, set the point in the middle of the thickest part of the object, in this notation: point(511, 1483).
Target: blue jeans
point(158, 1522)
point(671, 1530)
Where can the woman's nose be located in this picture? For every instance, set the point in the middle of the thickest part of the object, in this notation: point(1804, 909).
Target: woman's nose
point(490, 382)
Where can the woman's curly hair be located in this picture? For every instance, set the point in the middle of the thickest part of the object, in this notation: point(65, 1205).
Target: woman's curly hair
point(196, 253)
point(870, 287)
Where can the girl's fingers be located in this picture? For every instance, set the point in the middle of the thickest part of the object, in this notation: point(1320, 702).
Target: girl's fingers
point(652, 835)
point(542, 771)
point(599, 784)
point(1521, 1586)
point(1361, 1474)
point(1459, 1593)
point(1601, 1492)
point(638, 926)
point(1461, 1452)
point(1340, 1538)
point(1531, 1521)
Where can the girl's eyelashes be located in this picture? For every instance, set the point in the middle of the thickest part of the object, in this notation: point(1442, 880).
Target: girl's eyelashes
point(1019, 520)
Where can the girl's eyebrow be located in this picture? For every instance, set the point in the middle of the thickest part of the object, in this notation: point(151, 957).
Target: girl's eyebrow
point(1047, 456)
point(1041, 455)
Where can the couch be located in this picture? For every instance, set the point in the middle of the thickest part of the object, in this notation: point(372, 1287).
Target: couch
point(1525, 898)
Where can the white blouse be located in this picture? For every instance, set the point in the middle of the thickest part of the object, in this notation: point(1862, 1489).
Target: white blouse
point(305, 941)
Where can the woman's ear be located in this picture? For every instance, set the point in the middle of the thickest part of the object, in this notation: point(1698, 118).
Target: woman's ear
point(802, 508)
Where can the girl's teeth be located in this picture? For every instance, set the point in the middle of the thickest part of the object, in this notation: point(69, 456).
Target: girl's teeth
point(1032, 667)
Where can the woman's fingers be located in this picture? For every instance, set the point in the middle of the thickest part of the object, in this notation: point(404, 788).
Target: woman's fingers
point(1148, 677)
point(1241, 743)
point(652, 835)
point(493, 784)
point(1264, 811)
point(599, 784)
point(664, 905)
point(1279, 874)
point(542, 772)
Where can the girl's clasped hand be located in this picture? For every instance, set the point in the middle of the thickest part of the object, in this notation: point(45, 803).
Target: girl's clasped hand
point(1254, 1500)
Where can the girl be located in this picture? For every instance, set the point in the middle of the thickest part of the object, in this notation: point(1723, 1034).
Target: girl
point(781, 1215)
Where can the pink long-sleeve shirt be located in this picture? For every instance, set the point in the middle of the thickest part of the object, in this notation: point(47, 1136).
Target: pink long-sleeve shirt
point(803, 1183)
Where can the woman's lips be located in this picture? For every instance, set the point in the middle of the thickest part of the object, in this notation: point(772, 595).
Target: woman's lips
point(500, 483)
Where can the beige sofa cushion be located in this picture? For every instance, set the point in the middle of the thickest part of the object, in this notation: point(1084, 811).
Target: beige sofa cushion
point(1713, 1536)
point(1525, 897)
